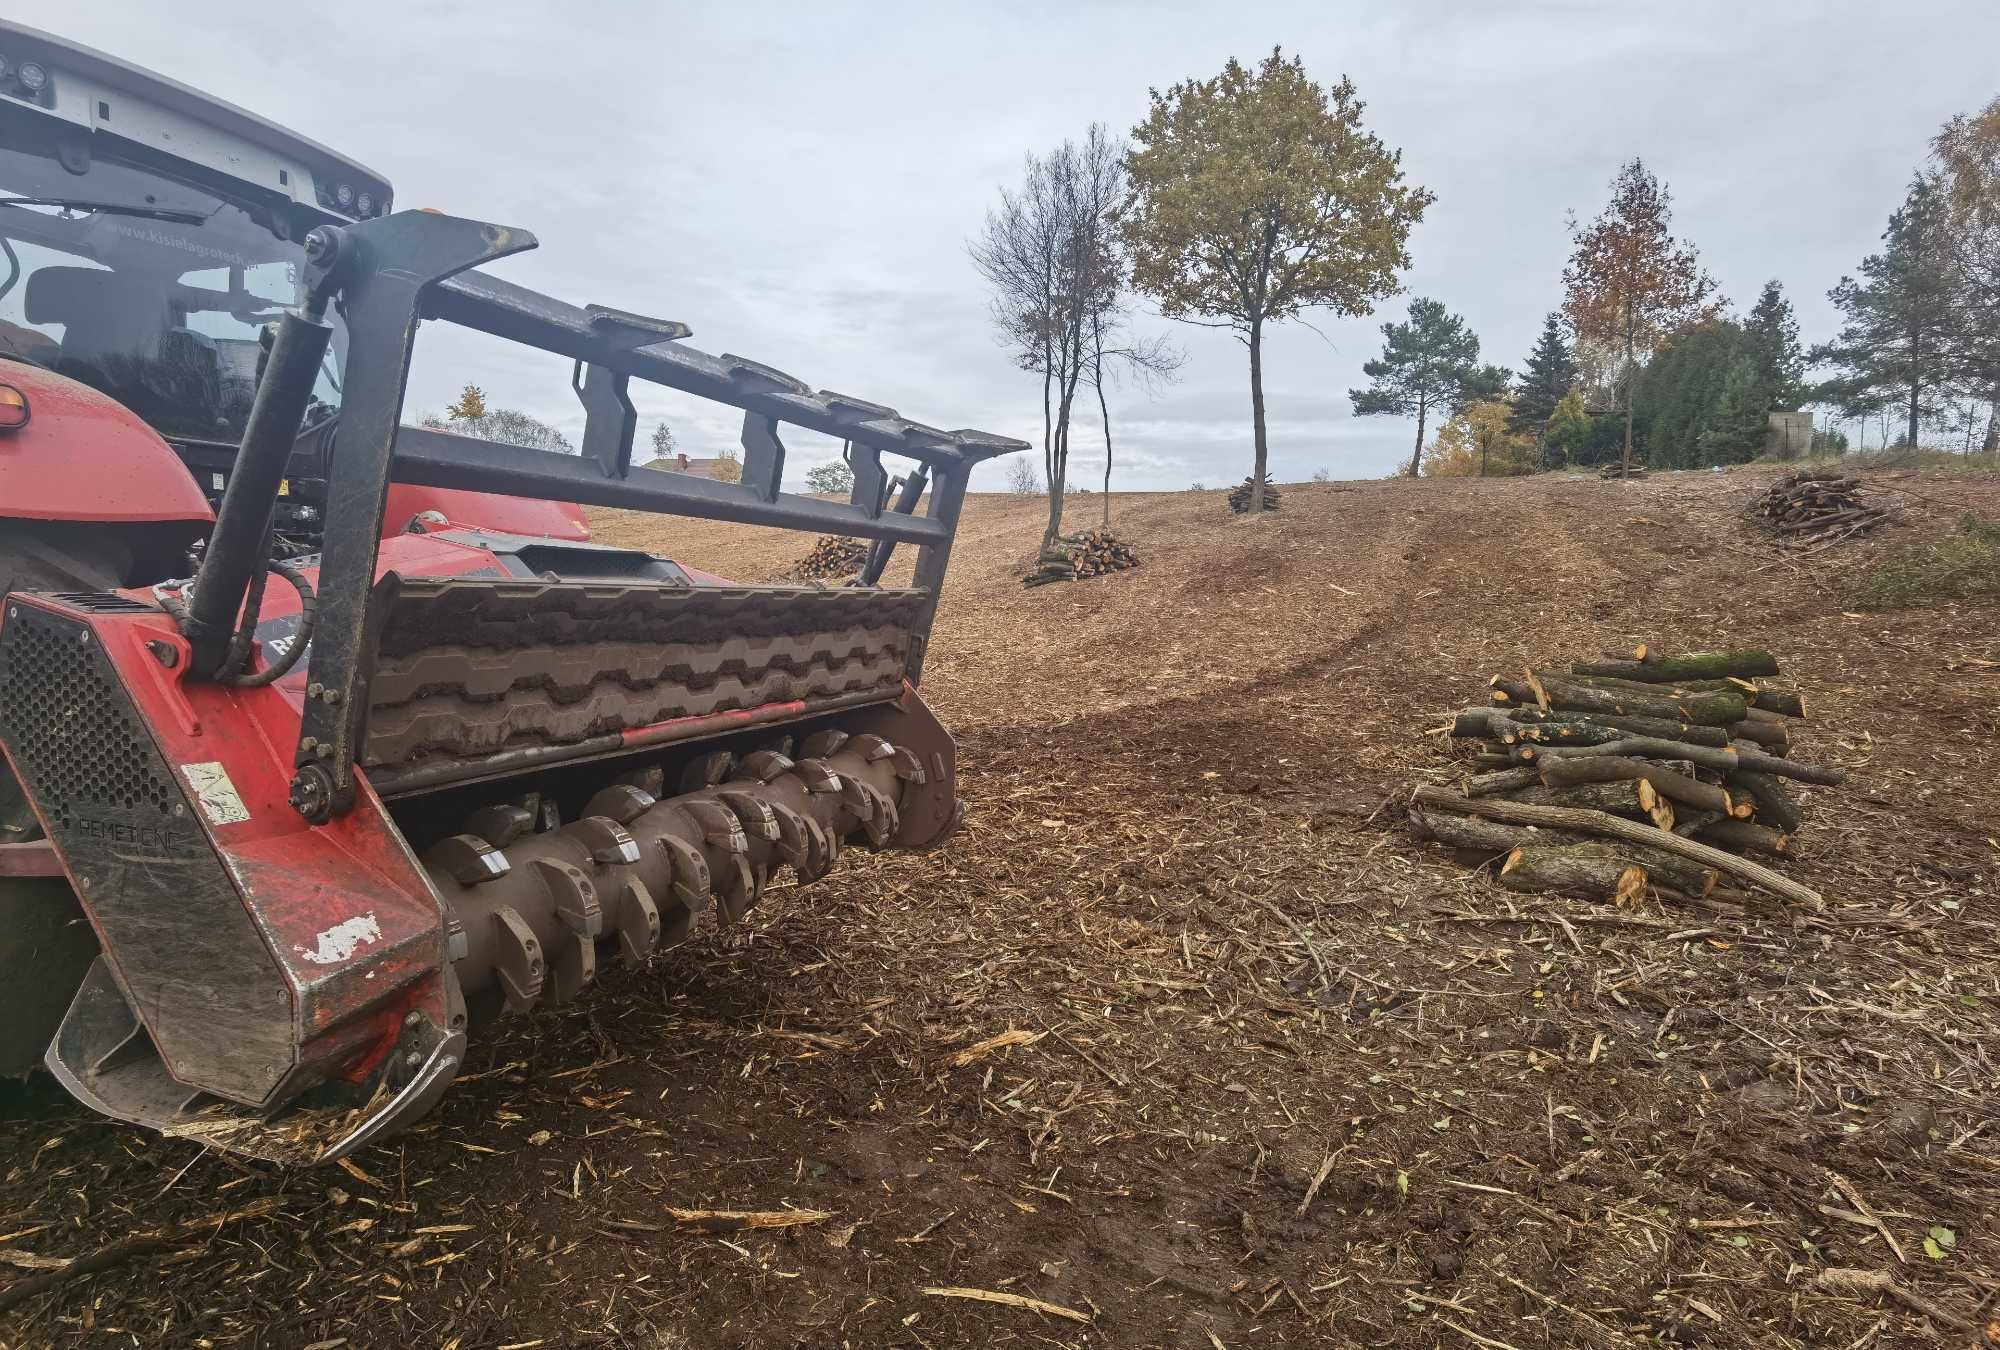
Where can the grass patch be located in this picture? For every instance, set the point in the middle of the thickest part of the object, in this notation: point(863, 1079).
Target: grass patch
point(1963, 564)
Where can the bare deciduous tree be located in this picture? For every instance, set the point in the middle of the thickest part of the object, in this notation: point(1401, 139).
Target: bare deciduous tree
point(1048, 252)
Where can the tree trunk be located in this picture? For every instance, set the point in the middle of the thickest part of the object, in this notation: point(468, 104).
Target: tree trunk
point(1105, 410)
point(1257, 416)
point(1744, 663)
point(1916, 394)
point(1417, 455)
point(1058, 469)
point(1991, 446)
point(1631, 386)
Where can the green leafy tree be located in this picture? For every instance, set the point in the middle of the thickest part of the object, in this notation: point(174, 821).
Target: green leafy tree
point(1567, 430)
point(1255, 195)
point(663, 442)
point(1429, 364)
point(1895, 348)
point(832, 477)
point(1478, 443)
point(471, 405)
point(1630, 283)
point(1966, 156)
point(1546, 378)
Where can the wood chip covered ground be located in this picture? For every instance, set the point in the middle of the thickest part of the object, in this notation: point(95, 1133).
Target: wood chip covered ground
point(1183, 1042)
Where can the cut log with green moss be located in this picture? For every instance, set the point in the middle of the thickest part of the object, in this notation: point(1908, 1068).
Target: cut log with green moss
point(1728, 686)
point(1713, 709)
point(1752, 757)
point(1633, 797)
point(1743, 836)
point(1675, 787)
point(1780, 702)
point(1582, 871)
point(1725, 760)
point(1595, 729)
point(1775, 737)
point(1502, 780)
point(1666, 668)
point(1774, 806)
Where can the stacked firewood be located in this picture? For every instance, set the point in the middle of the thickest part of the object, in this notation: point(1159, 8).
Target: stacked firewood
point(831, 557)
point(1814, 506)
point(1618, 778)
point(1074, 557)
point(1239, 496)
point(1619, 470)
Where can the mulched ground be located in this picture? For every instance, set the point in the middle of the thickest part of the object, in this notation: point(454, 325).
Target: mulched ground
point(1277, 1076)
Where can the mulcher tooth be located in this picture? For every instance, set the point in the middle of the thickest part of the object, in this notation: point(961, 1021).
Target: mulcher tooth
point(817, 775)
point(823, 743)
point(881, 822)
point(707, 770)
point(870, 747)
point(751, 810)
point(737, 889)
point(574, 968)
point(639, 924)
point(609, 842)
point(467, 859)
point(574, 894)
point(764, 765)
point(692, 885)
point(500, 824)
point(651, 780)
point(519, 962)
point(909, 768)
point(793, 842)
point(859, 798)
point(622, 802)
point(719, 824)
point(542, 811)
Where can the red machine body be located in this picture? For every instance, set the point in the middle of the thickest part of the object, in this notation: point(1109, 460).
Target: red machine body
point(84, 456)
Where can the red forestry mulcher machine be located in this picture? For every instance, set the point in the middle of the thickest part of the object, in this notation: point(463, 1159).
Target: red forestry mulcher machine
point(324, 736)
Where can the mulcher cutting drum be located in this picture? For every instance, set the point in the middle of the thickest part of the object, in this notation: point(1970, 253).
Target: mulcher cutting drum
point(324, 817)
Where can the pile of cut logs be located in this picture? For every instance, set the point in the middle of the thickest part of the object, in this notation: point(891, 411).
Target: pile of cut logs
point(1619, 470)
point(1239, 496)
point(1617, 778)
point(1814, 506)
point(833, 556)
point(1090, 554)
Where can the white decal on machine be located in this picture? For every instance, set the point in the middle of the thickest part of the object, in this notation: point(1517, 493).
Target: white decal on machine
point(342, 940)
point(215, 794)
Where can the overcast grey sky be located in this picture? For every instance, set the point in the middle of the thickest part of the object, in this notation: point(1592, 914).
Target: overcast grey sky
point(798, 182)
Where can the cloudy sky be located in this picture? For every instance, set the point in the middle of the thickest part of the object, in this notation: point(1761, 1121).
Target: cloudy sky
point(798, 182)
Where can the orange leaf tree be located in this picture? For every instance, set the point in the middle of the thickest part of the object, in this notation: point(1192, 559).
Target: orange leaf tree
point(1629, 282)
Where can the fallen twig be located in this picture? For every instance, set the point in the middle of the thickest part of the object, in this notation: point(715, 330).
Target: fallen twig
point(1011, 1300)
point(1866, 1283)
point(734, 1220)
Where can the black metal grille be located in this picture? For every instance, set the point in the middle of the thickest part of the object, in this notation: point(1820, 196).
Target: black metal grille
point(70, 724)
point(101, 602)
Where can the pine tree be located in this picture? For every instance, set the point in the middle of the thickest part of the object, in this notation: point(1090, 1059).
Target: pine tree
point(1894, 351)
point(1773, 335)
point(1428, 365)
point(1548, 375)
point(471, 405)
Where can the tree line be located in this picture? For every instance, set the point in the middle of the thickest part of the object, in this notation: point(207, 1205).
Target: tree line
point(1249, 198)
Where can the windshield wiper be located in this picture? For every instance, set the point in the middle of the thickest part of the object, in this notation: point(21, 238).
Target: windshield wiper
point(110, 209)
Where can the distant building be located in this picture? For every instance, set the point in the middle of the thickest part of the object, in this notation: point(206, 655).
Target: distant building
point(1788, 435)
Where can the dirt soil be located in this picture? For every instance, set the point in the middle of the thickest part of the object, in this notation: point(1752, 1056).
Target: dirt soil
point(1279, 1076)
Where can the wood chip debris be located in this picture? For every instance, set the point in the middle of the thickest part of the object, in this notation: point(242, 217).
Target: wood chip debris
point(735, 1220)
point(1012, 1036)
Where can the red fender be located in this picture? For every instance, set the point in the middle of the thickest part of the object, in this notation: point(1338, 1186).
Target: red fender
point(85, 456)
